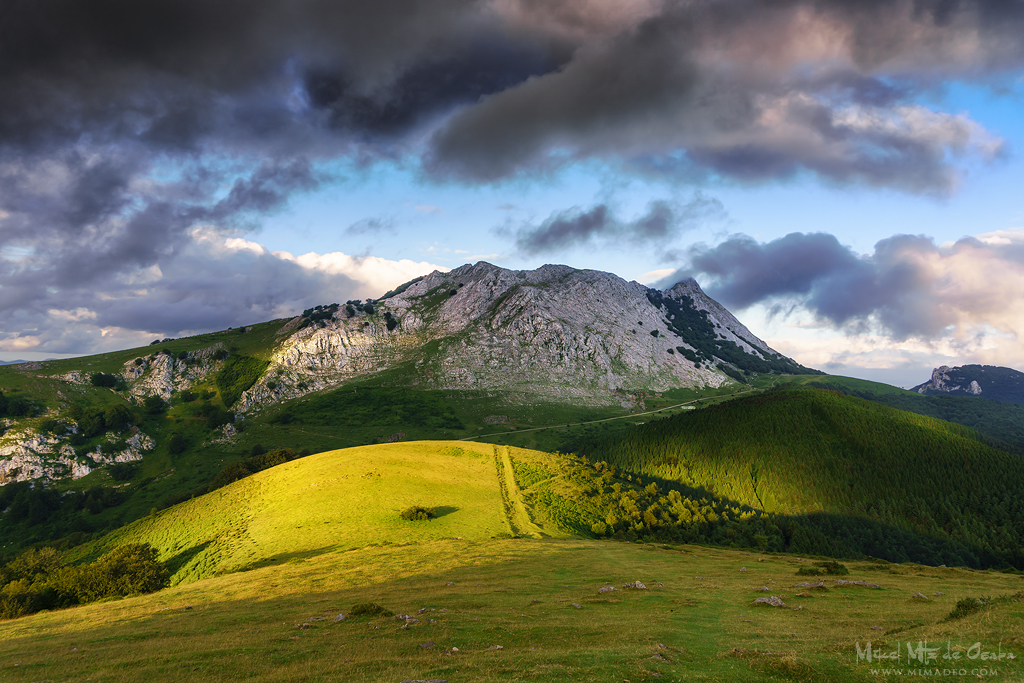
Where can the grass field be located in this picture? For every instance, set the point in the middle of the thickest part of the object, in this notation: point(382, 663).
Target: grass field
point(264, 566)
point(538, 600)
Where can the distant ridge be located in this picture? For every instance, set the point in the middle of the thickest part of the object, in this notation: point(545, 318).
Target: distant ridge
point(984, 381)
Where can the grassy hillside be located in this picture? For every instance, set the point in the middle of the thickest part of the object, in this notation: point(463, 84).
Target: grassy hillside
point(539, 601)
point(338, 500)
point(855, 463)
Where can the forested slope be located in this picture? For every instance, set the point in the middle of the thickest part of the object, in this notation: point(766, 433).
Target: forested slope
point(851, 467)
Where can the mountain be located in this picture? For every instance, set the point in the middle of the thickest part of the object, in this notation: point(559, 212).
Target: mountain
point(987, 381)
point(448, 355)
point(556, 333)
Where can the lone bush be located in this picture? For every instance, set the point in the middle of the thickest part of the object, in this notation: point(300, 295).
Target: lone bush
point(369, 609)
point(417, 512)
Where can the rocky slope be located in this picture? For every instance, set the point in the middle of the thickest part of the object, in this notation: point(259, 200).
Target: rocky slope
point(556, 333)
point(987, 381)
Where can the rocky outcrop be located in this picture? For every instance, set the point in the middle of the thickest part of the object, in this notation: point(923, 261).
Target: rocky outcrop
point(27, 456)
point(161, 374)
point(985, 381)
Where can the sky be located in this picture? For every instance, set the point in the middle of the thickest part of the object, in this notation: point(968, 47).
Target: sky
point(845, 176)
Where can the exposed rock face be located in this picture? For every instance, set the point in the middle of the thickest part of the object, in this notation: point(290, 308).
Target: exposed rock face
point(555, 333)
point(987, 381)
point(26, 456)
point(162, 375)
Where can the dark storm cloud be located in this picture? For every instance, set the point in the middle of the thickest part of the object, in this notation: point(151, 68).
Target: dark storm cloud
point(663, 221)
point(753, 90)
point(909, 286)
point(126, 125)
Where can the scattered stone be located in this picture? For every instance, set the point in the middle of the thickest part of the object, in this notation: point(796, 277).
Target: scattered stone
point(455, 649)
point(577, 606)
point(760, 559)
point(743, 569)
point(919, 596)
point(805, 594)
point(657, 656)
point(636, 585)
point(940, 593)
point(764, 589)
point(810, 584)
point(876, 628)
point(699, 578)
point(798, 607)
point(772, 600)
point(425, 680)
point(661, 585)
point(496, 647)
point(427, 644)
point(340, 617)
point(450, 583)
point(431, 621)
point(865, 584)
point(403, 616)
point(602, 589)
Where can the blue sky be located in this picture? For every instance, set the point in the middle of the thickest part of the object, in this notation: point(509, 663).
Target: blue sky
point(176, 167)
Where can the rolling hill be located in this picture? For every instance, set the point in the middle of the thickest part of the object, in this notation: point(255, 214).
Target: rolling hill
point(844, 466)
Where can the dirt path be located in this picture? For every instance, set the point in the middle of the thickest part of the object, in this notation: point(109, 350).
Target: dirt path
point(515, 507)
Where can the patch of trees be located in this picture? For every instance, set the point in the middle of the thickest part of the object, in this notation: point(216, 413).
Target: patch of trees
point(237, 376)
point(39, 579)
point(103, 379)
point(374, 407)
point(17, 406)
point(27, 505)
point(851, 476)
point(214, 415)
point(318, 314)
point(251, 465)
point(95, 421)
point(401, 288)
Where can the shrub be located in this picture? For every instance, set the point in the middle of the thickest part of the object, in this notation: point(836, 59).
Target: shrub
point(187, 396)
point(369, 609)
point(102, 379)
point(833, 568)
point(965, 607)
point(154, 405)
point(417, 512)
point(123, 471)
point(177, 444)
point(118, 417)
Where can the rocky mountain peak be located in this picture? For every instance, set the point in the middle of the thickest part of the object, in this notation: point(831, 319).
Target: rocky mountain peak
point(556, 333)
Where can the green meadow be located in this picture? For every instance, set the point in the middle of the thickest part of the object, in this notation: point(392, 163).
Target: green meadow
point(495, 590)
point(538, 600)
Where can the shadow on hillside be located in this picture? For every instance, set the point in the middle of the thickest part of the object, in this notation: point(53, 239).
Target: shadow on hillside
point(286, 558)
point(442, 510)
point(184, 557)
point(850, 536)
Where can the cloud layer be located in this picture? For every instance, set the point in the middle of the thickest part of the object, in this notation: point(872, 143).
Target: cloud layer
point(126, 127)
point(965, 295)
